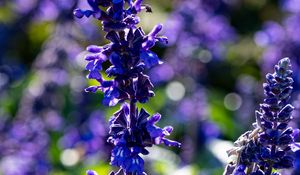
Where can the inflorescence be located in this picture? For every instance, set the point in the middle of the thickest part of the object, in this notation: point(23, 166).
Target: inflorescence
point(131, 129)
point(268, 147)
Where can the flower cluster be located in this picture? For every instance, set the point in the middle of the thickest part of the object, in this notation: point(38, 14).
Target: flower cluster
point(25, 138)
point(281, 40)
point(197, 26)
point(131, 135)
point(131, 130)
point(198, 31)
point(87, 135)
point(24, 146)
point(291, 5)
point(269, 145)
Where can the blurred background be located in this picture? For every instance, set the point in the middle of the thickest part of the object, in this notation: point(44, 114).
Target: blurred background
point(208, 87)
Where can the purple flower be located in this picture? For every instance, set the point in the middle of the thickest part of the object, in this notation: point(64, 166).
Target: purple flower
point(193, 27)
point(129, 54)
point(24, 145)
point(291, 5)
point(133, 136)
point(199, 32)
point(281, 40)
point(269, 145)
point(90, 172)
point(25, 138)
point(126, 64)
point(89, 136)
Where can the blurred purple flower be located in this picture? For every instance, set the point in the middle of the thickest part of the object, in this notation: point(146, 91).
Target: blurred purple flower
point(194, 28)
point(23, 6)
point(281, 41)
point(291, 5)
point(24, 146)
point(25, 138)
point(248, 88)
point(89, 136)
point(198, 32)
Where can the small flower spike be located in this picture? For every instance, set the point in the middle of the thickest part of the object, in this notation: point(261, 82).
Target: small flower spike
point(268, 146)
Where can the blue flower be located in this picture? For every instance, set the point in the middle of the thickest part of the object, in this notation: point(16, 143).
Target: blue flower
point(119, 155)
point(90, 172)
point(131, 137)
point(150, 59)
point(270, 144)
point(128, 53)
point(240, 170)
point(134, 164)
point(129, 57)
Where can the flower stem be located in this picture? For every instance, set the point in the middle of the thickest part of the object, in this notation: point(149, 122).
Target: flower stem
point(132, 113)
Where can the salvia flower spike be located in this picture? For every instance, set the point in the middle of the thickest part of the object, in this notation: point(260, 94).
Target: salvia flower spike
point(269, 146)
point(131, 129)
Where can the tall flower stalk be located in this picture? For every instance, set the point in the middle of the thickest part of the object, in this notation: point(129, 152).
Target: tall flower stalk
point(269, 145)
point(26, 137)
point(131, 129)
point(199, 33)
